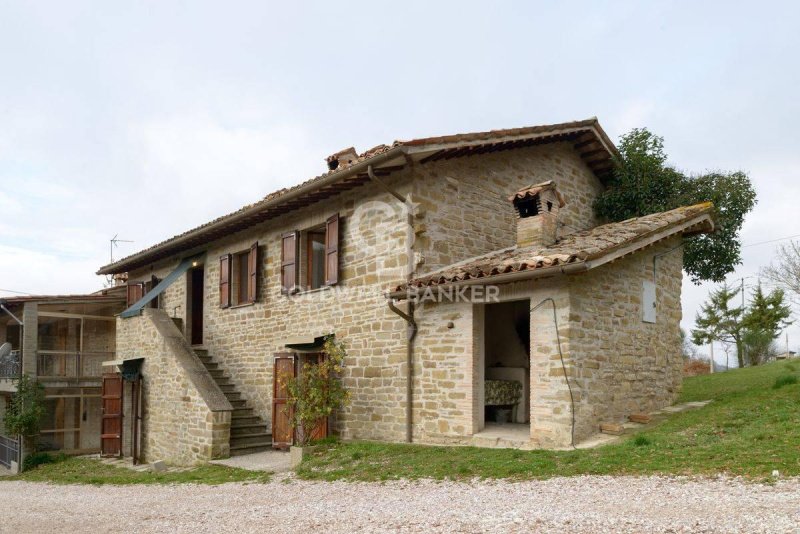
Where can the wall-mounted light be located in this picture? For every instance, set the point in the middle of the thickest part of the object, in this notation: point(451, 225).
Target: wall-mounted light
point(194, 264)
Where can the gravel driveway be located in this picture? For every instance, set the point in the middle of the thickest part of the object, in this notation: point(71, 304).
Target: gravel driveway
point(580, 504)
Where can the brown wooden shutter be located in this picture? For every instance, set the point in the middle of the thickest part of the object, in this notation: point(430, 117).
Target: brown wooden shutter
point(282, 431)
point(135, 292)
point(225, 281)
point(332, 250)
point(111, 424)
point(252, 273)
point(290, 248)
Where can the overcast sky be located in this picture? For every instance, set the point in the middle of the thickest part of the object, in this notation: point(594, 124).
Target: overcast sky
point(144, 119)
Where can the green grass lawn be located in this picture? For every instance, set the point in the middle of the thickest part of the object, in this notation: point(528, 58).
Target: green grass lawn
point(751, 428)
point(71, 470)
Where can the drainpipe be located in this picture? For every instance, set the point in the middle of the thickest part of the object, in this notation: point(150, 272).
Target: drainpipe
point(408, 317)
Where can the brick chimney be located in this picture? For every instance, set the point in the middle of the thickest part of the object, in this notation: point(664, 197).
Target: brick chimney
point(537, 214)
point(343, 158)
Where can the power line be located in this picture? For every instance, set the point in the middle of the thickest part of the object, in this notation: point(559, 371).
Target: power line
point(17, 292)
point(771, 241)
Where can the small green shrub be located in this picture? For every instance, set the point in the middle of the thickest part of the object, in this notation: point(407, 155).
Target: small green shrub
point(784, 380)
point(40, 458)
point(641, 441)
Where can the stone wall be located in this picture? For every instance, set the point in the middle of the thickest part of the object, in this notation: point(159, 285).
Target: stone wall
point(622, 364)
point(465, 200)
point(244, 339)
point(186, 418)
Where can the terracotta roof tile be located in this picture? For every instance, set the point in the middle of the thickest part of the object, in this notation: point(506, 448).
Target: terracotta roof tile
point(574, 248)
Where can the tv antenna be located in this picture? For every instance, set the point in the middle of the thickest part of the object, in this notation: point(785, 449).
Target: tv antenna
point(113, 244)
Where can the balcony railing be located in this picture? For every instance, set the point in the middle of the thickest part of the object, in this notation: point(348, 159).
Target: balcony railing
point(10, 365)
point(70, 364)
point(9, 450)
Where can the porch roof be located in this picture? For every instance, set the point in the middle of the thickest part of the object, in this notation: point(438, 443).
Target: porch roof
point(587, 136)
point(575, 252)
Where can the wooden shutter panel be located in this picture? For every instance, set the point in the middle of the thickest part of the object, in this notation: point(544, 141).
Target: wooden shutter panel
point(225, 281)
point(290, 248)
point(282, 432)
point(252, 273)
point(332, 250)
point(135, 292)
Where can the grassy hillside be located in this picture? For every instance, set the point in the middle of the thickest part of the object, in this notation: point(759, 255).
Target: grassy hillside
point(751, 428)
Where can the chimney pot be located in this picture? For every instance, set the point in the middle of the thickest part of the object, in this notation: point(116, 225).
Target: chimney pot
point(343, 158)
point(537, 209)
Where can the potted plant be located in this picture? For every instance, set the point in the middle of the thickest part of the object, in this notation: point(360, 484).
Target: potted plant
point(314, 395)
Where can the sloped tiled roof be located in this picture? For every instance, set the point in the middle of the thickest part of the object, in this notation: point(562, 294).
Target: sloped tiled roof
point(588, 137)
point(580, 247)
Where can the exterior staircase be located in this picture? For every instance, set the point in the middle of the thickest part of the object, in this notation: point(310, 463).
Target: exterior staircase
point(249, 433)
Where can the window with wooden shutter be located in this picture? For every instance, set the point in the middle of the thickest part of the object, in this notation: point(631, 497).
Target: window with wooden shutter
point(252, 273)
point(154, 280)
point(290, 244)
point(135, 292)
point(332, 250)
point(225, 281)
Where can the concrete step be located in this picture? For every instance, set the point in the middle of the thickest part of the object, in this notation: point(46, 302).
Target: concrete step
point(201, 353)
point(227, 388)
point(246, 420)
point(217, 373)
point(242, 412)
point(245, 429)
point(233, 395)
point(251, 439)
point(251, 449)
point(211, 365)
point(238, 403)
point(223, 381)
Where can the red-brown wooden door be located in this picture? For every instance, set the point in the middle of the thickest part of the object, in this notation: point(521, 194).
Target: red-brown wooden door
point(282, 432)
point(111, 426)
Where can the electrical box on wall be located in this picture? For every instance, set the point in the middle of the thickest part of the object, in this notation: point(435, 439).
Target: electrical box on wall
point(648, 302)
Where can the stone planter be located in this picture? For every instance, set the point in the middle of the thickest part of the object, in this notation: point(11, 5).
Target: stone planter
point(296, 454)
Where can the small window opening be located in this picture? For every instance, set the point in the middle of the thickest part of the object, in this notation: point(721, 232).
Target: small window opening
point(239, 277)
point(315, 257)
point(528, 207)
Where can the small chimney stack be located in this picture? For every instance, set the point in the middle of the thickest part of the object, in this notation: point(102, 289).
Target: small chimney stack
point(537, 214)
point(343, 158)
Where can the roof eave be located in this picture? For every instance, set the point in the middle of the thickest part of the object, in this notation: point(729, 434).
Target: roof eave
point(700, 223)
point(145, 257)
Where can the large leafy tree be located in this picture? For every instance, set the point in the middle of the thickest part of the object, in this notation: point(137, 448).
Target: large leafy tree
point(643, 182)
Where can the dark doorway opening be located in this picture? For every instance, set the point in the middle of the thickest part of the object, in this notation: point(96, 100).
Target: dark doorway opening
point(195, 319)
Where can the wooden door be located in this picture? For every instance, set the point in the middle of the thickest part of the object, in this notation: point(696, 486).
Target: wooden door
point(111, 426)
point(196, 305)
point(320, 430)
point(282, 432)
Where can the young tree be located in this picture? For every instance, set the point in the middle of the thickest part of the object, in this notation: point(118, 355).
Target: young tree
point(25, 411)
point(763, 322)
point(719, 321)
point(644, 183)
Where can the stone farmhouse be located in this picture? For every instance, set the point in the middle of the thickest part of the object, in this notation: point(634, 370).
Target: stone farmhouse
point(478, 297)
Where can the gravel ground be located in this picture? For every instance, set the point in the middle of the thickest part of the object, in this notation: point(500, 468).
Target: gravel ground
point(580, 504)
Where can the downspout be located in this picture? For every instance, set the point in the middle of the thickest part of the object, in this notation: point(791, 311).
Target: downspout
point(408, 317)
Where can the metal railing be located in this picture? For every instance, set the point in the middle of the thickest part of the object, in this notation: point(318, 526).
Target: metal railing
point(10, 366)
point(71, 364)
point(9, 450)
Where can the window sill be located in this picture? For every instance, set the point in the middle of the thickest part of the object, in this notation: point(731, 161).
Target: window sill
point(310, 291)
point(245, 305)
